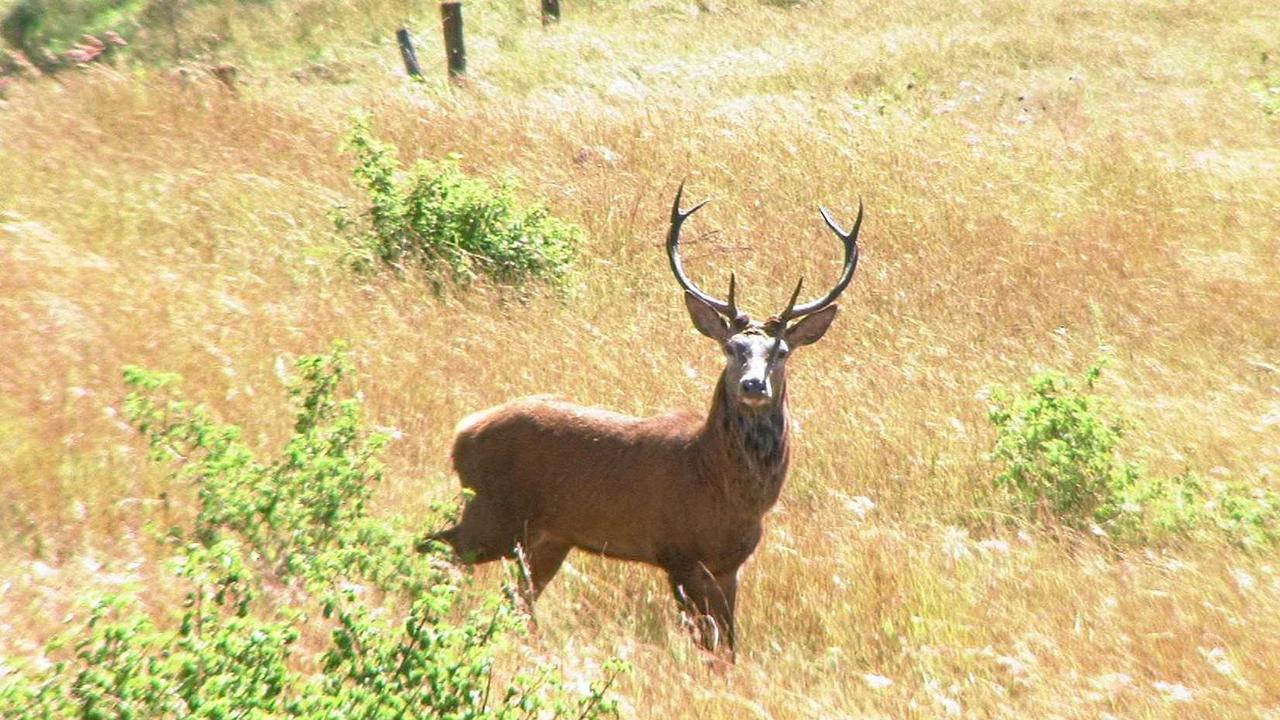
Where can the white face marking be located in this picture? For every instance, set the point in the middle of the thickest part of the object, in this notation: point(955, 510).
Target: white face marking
point(749, 377)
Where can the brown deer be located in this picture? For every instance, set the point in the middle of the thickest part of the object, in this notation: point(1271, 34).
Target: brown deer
point(681, 491)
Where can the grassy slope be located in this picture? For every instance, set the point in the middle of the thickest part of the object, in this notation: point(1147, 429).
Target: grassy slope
point(1039, 179)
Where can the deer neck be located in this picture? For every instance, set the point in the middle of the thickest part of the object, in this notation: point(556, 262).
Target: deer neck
point(748, 450)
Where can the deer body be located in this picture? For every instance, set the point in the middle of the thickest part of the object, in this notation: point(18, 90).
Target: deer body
point(645, 489)
point(681, 491)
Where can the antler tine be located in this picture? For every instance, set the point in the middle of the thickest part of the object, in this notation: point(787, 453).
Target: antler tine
point(791, 312)
point(850, 241)
point(728, 309)
point(781, 329)
point(733, 304)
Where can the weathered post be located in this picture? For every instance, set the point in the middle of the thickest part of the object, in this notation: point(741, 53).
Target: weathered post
point(550, 12)
point(455, 51)
point(406, 52)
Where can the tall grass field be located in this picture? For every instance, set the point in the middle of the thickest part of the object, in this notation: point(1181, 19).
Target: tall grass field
point(1036, 460)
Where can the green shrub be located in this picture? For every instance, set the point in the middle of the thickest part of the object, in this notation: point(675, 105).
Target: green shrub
point(1058, 447)
point(31, 25)
point(400, 641)
point(453, 226)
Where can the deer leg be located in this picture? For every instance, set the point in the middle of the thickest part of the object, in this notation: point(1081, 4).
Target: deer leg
point(540, 561)
point(727, 583)
point(709, 601)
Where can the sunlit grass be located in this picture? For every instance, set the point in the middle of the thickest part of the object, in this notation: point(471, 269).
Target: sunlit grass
point(1040, 180)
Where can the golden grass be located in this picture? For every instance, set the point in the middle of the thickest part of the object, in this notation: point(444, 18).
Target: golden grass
point(1039, 179)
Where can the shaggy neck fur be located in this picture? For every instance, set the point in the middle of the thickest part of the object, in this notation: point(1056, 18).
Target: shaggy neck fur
point(751, 447)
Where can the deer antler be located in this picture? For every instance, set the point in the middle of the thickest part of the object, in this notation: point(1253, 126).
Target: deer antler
point(728, 309)
point(780, 328)
point(850, 241)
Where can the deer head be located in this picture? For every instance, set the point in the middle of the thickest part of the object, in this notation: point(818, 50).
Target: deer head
point(756, 352)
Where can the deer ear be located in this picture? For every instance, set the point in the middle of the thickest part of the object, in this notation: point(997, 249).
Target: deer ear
point(811, 328)
point(706, 319)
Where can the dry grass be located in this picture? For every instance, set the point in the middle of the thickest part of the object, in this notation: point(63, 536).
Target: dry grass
point(1039, 179)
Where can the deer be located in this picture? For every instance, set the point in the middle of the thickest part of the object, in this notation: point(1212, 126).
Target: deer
point(685, 492)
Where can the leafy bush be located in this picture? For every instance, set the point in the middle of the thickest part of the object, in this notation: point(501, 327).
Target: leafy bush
point(32, 25)
point(1058, 448)
point(1059, 451)
point(295, 526)
point(453, 226)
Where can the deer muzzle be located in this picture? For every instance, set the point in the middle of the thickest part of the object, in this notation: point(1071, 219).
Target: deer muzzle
point(755, 388)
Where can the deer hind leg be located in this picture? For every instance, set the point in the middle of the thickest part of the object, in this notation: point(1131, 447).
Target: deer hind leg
point(708, 600)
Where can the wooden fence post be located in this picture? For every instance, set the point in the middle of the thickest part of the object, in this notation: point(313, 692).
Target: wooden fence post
point(550, 12)
point(455, 51)
point(406, 52)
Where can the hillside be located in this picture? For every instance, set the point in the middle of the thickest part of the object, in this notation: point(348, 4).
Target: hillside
point(1044, 183)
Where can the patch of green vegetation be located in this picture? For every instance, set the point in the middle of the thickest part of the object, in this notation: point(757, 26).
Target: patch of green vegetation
point(31, 25)
point(1058, 446)
point(454, 227)
point(1265, 86)
point(299, 523)
point(1267, 93)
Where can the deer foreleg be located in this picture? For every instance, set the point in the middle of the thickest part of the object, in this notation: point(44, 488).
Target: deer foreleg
point(709, 600)
point(540, 561)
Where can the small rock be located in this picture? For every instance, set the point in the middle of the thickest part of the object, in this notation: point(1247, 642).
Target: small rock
point(596, 155)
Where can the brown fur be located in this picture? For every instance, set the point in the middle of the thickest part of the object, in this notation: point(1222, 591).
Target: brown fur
point(679, 491)
point(683, 492)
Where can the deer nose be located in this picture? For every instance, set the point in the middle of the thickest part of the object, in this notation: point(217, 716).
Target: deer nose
point(753, 386)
